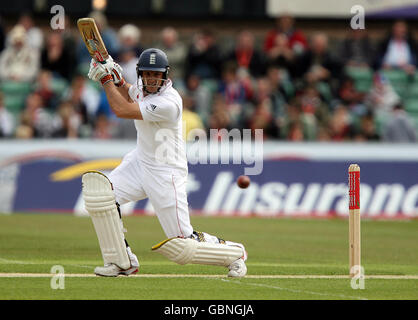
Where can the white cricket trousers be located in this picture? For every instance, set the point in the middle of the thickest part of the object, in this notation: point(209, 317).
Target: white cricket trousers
point(133, 181)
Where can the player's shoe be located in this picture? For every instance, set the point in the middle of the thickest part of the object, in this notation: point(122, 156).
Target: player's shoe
point(237, 269)
point(112, 270)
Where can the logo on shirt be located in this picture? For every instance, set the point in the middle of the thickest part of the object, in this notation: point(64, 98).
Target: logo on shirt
point(151, 107)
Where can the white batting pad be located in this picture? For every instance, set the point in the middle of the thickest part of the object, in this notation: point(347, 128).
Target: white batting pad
point(100, 203)
point(183, 251)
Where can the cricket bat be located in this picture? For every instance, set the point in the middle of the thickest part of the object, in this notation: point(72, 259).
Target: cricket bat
point(92, 39)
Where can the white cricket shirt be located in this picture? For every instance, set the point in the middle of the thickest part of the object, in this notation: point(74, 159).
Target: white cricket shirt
point(160, 144)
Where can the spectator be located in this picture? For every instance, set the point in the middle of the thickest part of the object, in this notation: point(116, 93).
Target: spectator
point(128, 60)
point(318, 64)
point(42, 122)
point(130, 49)
point(262, 90)
point(232, 87)
point(264, 116)
point(108, 35)
point(235, 95)
point(44, 88)
point(35, 37)
point(382, 97)
point(367, 129)
point(129, 37)
point(69, 121)
point(296, 38)
point(351, 97)
point(398, 50)
point(295, 131)
point(281, 55)
point(25, 129)
point(246, 55)
point(7, 122)
point(104, 107)
point(86, 102)
point(279, 96)
point(340, 126)
point(70, 37)
point(120, 128)
point(357, 50)
point(19, 62)
point(203, 57)
point(201, 97)
point(324, 134)
point(298, 126)
point(219, 117)
point(55, 58)
point(125, 129)
point(399, 127)
point(176, 52)
point(191, 120)
point(311, 103)
point(281, 84)
point(348, 92)
point(269, 109)
point(103, 128)
point(297, 120)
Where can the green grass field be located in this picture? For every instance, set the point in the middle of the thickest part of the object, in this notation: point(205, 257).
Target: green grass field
point(288, 259)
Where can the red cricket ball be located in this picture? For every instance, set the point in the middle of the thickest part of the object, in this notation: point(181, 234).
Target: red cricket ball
point(243, 181)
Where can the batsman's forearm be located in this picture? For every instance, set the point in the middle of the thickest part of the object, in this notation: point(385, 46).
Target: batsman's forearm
point(119, 105)
point(124, 91)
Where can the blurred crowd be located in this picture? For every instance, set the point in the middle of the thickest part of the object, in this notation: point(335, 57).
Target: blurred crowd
point(294, 87)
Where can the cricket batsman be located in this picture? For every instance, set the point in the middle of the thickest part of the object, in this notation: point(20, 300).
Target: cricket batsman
point(155, 169)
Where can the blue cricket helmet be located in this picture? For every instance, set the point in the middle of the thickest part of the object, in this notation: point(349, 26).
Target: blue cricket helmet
point(152, 59)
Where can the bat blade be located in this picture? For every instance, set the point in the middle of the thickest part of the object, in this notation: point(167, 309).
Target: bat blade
point(92, 39)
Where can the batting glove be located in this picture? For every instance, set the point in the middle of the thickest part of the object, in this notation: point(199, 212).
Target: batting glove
point(99, 71)
point(117, 75)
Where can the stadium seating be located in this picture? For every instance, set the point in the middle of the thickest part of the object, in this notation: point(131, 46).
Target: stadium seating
point(211, 85)
point(325, 91)
point(363, 78)
point(398, 79)
point(411, 105)
point(411, 95)
point(15, 94)
point(412, 91)
point(59, 86)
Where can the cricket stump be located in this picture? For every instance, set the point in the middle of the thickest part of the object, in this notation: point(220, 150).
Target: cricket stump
point(354, 219)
